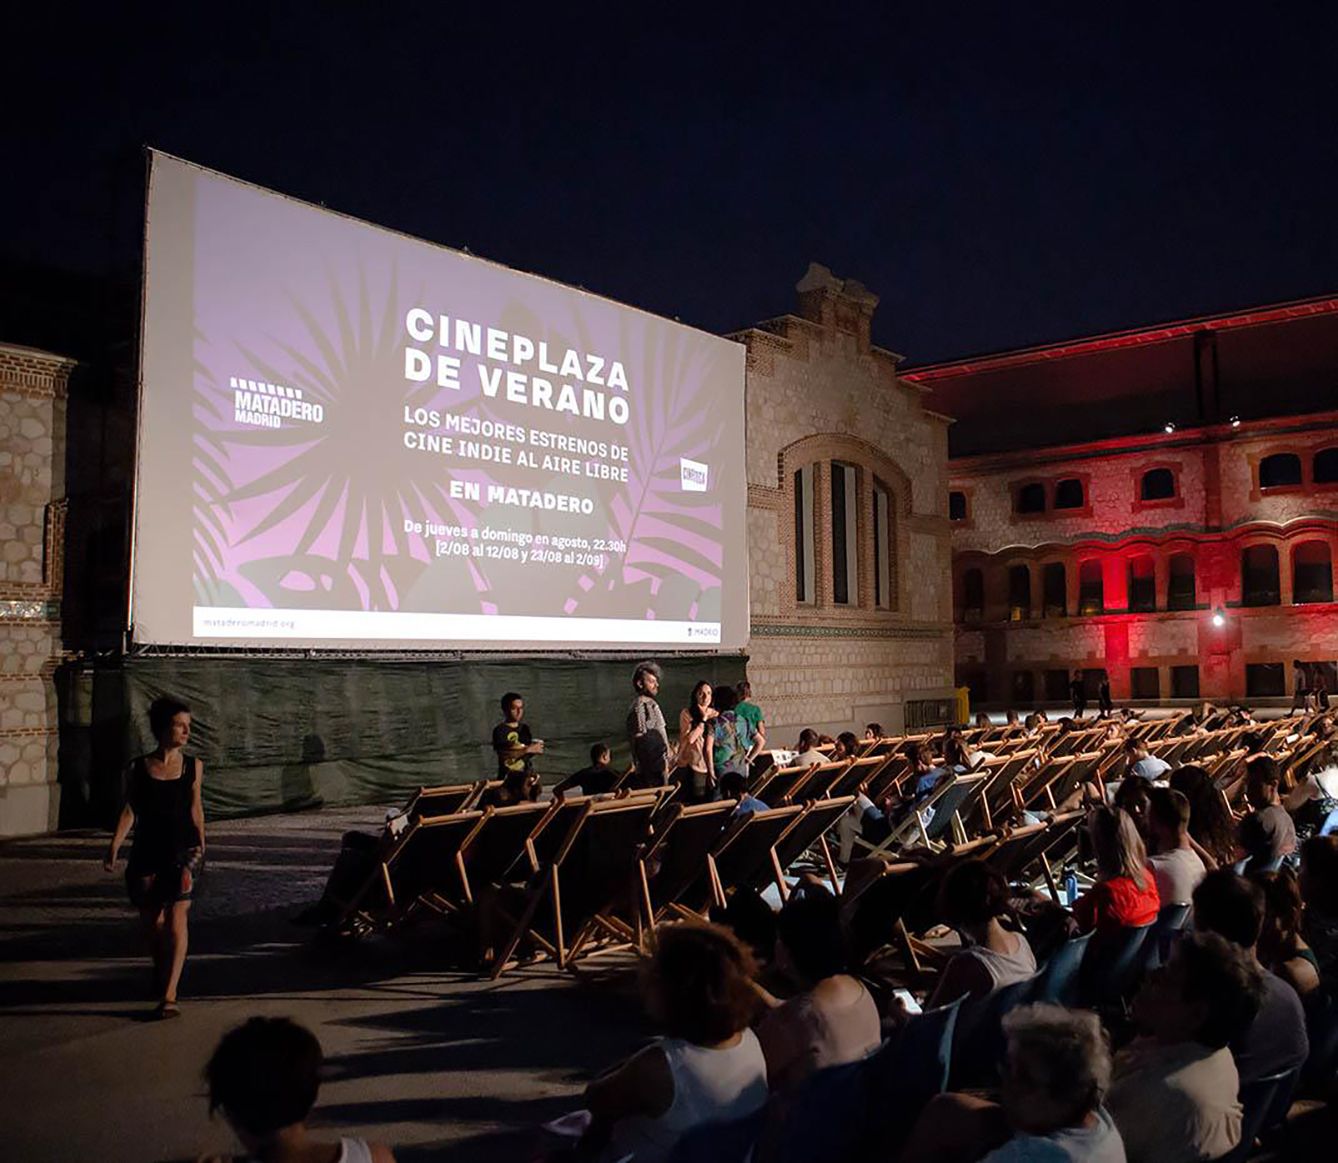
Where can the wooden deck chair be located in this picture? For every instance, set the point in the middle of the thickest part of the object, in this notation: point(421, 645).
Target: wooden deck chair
point(1007, 855)
point(495, 850)
point(577, 876)
point(819, 783)
point(858, 776)
point(939, 808)
point(979, 815)
point(780, 785)
point(420, 867)
point(876, 914)
point(442, 801)
point(1056, 848)
point(808, 829)
point(743, 852)
point(892, 775)
point(1036, 794)
point(672, 862)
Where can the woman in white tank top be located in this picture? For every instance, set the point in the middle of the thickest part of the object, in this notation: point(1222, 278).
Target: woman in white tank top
point(710, 1068)
point(973, 899)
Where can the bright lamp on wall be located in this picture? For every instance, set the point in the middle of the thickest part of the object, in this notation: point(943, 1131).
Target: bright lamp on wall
point(1219, 619)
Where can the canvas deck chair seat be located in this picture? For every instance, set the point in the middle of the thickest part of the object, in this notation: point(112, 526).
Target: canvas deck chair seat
point(1055, 850)
point(494, 852)
point(742, 854)
point(580, 866)
point(892, 775)
point(808, 830)
point(819, 783)
point(1038, 794)
point(780, 785)
point(420, 867)
point(858, 776)
point(979, 815)
point(673, 861)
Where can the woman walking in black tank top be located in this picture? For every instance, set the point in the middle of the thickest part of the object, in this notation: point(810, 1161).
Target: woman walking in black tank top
point(163, 805)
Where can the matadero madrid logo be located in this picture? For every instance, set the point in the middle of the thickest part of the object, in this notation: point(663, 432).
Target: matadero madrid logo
point(264, 405)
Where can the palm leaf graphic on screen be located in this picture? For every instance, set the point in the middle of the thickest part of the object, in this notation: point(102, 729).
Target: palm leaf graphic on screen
point(211, 487)
point(673, 559)
point(349, 482)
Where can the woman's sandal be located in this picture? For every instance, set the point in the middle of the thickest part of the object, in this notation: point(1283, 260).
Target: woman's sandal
point(167, 1009)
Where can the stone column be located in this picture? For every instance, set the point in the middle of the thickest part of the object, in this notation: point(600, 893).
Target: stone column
point(32, 553)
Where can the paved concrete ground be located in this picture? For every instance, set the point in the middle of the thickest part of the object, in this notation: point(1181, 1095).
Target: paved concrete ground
point(438, 1064)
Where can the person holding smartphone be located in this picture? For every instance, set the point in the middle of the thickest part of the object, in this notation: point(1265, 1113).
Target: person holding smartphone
point(516, 749)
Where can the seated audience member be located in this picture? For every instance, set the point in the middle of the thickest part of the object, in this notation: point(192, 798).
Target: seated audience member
point(1313, 803)
point(833, 1019)
point(973, 900)
point(733, 786)
point(808, 749)
point(1211, 824)
point(1056, 1074)
point(1132, 798)
point(1281, 946)
point(1176, 867)
point(264, 1077)
point(748, 916)
point(1142, 764)
point(1125, 892)
point(597, 779)
point(1011, 719)
point(1233, 907)
point(847, 746)
point(877, 821)
point(708, 1068)
point(982, 721)
point(519, 787)
point(873, 732)
point(1267, 834)
point(1173, 1093)
point(1319, 890)
point(1031, 725)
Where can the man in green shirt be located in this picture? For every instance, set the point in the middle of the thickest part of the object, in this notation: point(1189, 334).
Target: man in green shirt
point(751, 713)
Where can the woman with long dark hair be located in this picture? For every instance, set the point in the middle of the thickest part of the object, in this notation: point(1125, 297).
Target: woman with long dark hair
point(163, 805)
point(693, 767)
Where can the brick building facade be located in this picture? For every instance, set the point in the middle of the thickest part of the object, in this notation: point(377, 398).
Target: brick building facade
point(33, 392)
point(848, 541)
point(1190, 562)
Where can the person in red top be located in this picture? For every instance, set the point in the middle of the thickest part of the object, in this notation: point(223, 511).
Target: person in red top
point(1125, 892)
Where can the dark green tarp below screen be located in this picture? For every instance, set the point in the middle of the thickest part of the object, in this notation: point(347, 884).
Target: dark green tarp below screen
point(282, 734)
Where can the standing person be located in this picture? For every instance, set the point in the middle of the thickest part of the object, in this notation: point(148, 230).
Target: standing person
point(1103, 700)
point(646, 731)
point(693, 768)
point(732, 737)
point(164, 806)
point(264, 1076)
point(1079, 693)
point(516, 749)
point(751, 713)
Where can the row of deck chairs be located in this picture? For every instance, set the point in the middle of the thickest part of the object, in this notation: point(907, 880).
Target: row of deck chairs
point(583, 874)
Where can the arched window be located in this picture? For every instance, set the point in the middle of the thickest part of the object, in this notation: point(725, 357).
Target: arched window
point(1325, 466)
point(1031, 498)
point(1259, 576)
point(1180, 593)
point(1282, 468)
point(973, 595)
point(1019, 593)
point(1091, 589)
point(1068, 494)
point(1055, 590)
point(1142, 585)
point(956, 506)
point(1312, 573)
point(1158, 485)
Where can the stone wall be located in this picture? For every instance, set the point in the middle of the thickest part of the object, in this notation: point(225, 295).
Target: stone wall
point(32, 534)
point(1218, 510)
point(819, 393)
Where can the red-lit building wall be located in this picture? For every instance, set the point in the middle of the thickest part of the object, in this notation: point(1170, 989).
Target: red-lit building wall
point(1148, 628)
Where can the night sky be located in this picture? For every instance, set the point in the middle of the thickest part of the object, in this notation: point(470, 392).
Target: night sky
point(1000, 174)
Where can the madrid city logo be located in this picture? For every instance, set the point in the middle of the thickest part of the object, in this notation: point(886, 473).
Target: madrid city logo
point(262, 405)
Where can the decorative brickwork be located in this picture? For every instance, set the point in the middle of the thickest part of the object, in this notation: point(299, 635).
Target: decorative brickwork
point(819, 393)
point(33, 387)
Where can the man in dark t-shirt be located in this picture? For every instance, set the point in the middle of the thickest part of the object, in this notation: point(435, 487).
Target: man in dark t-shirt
point(594, 780)
point(514, 744)
point(1267, 834)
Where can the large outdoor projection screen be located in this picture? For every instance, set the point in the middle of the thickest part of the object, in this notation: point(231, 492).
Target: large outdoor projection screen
point(354, 439)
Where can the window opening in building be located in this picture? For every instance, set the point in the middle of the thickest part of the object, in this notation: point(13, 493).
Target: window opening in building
point(1019, 593)
point(1184, 682)
point(1068, 494)
point(956, 506)
point(1055, 590)
point(1142, 585)
point(1312, 573)
point(1180, 593)
point(1144, 682)
point(1265, 680)
point(1031, 498)
point(1282, 468)
point(1158, 484)
point(804, 548)
point(1091, 589)
point(1259, 576)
